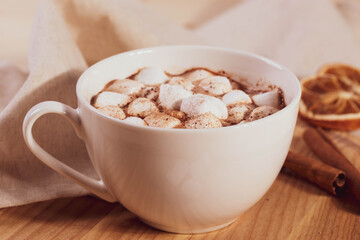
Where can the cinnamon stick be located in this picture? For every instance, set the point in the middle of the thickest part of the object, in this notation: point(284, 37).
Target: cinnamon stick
point(324, 176)
point(326, 150)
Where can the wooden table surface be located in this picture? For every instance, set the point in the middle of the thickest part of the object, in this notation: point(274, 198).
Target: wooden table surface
point(291, 209)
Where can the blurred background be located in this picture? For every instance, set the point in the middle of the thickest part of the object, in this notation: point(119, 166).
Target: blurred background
point(16, 19)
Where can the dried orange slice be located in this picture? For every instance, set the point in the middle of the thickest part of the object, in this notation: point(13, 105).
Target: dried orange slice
point(331, 99)
point(341, 70)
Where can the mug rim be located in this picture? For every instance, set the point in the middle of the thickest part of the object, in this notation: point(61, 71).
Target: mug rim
point(293, 103)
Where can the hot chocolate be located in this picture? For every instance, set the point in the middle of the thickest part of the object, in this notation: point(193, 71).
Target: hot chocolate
point(197, 98)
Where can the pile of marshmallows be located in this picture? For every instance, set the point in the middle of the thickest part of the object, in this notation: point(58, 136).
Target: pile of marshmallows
point(194, 100)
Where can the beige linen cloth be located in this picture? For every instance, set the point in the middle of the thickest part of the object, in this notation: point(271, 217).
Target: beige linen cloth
point(70, 35)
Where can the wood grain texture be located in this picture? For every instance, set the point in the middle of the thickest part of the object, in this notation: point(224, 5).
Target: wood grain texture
point(291, 209)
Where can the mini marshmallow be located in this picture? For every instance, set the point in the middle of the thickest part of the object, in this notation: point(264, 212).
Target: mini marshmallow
point(199, 104)
point(135, 121)
point(171, 96)
point(236, 96)
point(185, 83)
point(151, 76)
point(125, 86)
point(225, 123)
point(111, 99)
point(271, 99)
point(176, 114)
point(151, 93)
point(261, 112)
point(207, 120)
point(216, 85)
point(162, 120)
point(198, 75)
point(141, 107)
point(113, 111)
point(236, 113)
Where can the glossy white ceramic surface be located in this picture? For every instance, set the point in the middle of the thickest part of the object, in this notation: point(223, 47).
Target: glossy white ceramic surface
point(178, 180)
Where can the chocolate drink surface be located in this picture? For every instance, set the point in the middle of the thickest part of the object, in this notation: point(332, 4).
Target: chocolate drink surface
point(194, 99)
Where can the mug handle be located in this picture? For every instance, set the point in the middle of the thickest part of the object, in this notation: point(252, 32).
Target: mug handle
point(97, 187)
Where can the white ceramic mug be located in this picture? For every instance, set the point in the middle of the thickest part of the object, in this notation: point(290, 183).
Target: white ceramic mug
point(177, 180)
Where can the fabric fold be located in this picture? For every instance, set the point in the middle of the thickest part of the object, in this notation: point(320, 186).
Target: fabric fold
point(11, 79)
point(68, 36)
